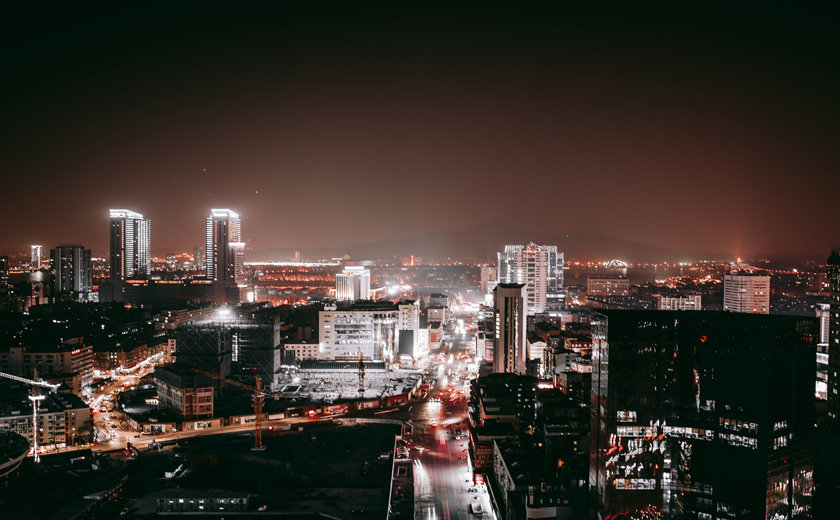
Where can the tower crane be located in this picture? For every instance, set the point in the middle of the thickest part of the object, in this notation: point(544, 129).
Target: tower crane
point(36, 398)
point(258, 394)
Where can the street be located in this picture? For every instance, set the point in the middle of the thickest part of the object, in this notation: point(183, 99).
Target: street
point(443, 476)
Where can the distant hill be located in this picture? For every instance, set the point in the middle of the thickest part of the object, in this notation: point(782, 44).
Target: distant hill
point(483, 241)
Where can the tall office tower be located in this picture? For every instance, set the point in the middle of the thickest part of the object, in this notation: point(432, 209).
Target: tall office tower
point(746, 291)
point(4, 272)
point(130, 248)
point(488, 281)
point(511, 334)
point(540, 268)
point(353, 283)
point(73, 271)
point(833, 391)
point(35, 257)
point(224, 249)
point(702, 414)
point(198, 257)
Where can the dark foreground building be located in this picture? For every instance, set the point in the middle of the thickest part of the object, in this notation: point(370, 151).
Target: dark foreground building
point(705, 415)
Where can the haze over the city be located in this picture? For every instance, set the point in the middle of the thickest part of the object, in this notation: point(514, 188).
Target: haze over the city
point(690, 128)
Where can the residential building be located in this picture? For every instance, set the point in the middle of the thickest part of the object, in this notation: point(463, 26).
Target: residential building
point(71, 358)
point(130, 248)
point(73, 271)
point(35, 256)
point(540, 269)
point(63, 418)
point(746, 291)
point(187, 392)
point(509, 312)
point(224, 249)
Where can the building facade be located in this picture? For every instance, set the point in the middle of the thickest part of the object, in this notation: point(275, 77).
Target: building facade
point(540, 269)
point(224, 250)
point(63, 419)
point(130, 248)
point(607, 286)
point(509, 314)
point(73, 271)
point(833, 387)
point(680, 303)
point(703, 414)
point(745, 291)
point(353, 283)
point(35, 256)
point(366, 329)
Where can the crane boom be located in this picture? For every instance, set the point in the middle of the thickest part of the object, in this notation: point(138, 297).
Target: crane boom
point(36, 399)
point(257, 390)
point(44, 384)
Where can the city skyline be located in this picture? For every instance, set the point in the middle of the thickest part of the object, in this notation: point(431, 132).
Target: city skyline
point(689, 128)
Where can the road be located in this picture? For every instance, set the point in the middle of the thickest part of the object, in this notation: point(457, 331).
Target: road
point(443, 477)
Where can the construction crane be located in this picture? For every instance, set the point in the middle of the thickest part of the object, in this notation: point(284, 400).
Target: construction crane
point(36, 398)
point(258, 394)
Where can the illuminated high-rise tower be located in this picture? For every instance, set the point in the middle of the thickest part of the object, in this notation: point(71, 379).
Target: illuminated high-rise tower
point(130, 248)
point(35, 260)
point(540, 268)
point(224, 250)
point(73, 272)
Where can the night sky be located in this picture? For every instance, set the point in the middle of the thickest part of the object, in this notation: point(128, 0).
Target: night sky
point(700, 129)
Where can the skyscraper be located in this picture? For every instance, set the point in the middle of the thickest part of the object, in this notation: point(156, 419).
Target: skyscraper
point(833, 392)
point(224, 250)
point(702, 414)
point(353, 283)
point(35, 256)
point(746, 291)
point(540, 268)
point(73, 271)
point(198, 257)
point(511, 335)
point(130, 248)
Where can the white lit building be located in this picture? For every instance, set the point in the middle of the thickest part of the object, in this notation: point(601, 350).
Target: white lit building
point(367, 329)
point(745, 291)
point(224, 250)
point(353, 283)
point(679, 303)
point(130, 248)
point(35, 257)
point(540, 269)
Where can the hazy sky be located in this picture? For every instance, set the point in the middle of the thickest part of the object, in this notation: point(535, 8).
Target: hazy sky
point(696, 129)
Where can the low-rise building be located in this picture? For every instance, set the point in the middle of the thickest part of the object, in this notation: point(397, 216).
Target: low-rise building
point(188, 393)
point(202, 501)
point(63, 418)
point(679, 303)
point(607, 286)
point(68, 362)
